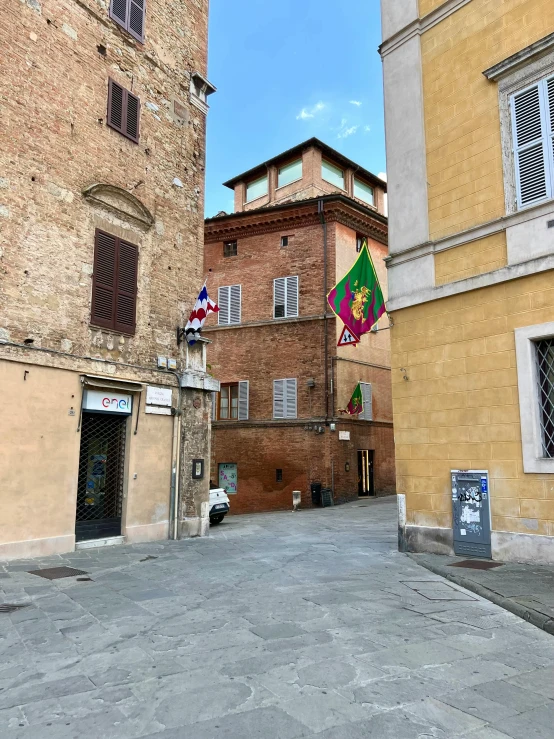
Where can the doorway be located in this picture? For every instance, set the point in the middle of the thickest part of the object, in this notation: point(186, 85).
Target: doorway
point(101, 476)
point(366, 487)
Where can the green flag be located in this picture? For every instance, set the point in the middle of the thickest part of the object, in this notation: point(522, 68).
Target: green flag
point(356, 404)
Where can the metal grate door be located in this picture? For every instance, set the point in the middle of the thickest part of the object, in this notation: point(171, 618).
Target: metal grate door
point(101, 476)
point(545, 361)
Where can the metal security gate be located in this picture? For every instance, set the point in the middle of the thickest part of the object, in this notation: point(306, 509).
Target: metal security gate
point(101, 476)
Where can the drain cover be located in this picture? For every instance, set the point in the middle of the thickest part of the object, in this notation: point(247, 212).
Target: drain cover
point(11, 607)
point(55, 573)
point(477, 564)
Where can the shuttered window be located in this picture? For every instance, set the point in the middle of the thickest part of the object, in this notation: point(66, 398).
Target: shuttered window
point(129, 14)
point(367, 397)
point(533, 133)
point(284, 398)
point(229, 302)
point(114, 283)
point(123, 111)
point(231, 403)
point(285, 297)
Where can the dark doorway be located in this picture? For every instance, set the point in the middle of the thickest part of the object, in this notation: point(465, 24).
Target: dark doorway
point(365, 473)
point(101, 475)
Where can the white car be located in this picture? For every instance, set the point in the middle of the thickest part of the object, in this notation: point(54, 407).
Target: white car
point(219, 505)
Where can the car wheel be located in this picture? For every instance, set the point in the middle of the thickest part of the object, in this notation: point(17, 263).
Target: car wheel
point(216, 519)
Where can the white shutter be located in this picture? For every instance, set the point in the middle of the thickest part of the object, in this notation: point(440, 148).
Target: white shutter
point(550, 127)
point(278, 398)
point(367, 397)
point(223, 303)
point(243, 400)
point(279, 297)
point(533, 179)
point(292, 297)
point(290, 398)
point(235, 306)
point(214, 406)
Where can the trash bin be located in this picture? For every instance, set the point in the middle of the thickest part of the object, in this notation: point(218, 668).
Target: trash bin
point(316, 493)
point(327, 497)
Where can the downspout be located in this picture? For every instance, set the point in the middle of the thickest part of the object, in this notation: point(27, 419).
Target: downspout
point(175, 465)
point(320, 210)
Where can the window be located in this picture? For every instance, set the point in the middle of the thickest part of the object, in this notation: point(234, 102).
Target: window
point(545, 378)
point(533, 135)
point(230, 249)
point(256, 189)
point(231, 403)
point(363, 192)
point(289, 173)
point(284, 240)
point(229, 301)
point(278, 475)
point(360, 242)
point(284, 398)
point(114, 283)
point(367, 397)
point(535, 377)
point(129, 14)
point(332, 174)
point(285, 297)
point(123, 111)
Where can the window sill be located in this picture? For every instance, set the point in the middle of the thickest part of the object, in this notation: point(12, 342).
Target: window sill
point(111, 331)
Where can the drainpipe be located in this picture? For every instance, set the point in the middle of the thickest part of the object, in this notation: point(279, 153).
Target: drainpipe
point(175, 465)
point(320, 210)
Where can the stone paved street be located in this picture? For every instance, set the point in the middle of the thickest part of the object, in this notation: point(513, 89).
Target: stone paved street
point(277, 626)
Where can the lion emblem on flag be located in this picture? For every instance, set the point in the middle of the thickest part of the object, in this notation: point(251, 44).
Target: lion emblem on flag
point(361, 297)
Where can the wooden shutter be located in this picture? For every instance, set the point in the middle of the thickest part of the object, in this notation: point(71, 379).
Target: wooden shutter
point(103, 280)
point(290, 398)
point(367, 397)
point(126, 287)
point(530, 146)
point(136, 11)
point(279, 297)
point(278, 398)
point(116, 105)
point(234, 304)
point(223, 303)
point(118, 11)
point(132, 114)
point(243, 400)
point(292, 297)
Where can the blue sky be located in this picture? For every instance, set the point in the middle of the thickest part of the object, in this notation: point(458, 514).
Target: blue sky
point(286, 71)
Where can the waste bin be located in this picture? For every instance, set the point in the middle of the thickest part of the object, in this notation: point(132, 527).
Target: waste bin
point(327, 497)
point(316, 493)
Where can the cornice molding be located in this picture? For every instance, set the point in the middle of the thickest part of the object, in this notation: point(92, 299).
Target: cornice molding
point(126, 205)
point(529, 54)
point(421, 25)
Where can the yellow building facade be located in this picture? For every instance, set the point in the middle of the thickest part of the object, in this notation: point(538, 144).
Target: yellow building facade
point(469, 105)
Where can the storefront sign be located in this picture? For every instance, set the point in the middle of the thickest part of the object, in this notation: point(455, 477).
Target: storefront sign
point(228, 477)
point(105, 401)
point(158, 396)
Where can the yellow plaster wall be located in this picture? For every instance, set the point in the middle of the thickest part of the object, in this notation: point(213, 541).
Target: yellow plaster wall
point(459, 408)
point(426, 6)
point(462, 124)
point(473, 258)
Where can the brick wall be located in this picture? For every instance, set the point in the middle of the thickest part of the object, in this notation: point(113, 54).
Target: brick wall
point(58, 57)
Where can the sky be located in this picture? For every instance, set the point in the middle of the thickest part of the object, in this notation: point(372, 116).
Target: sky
point(287, 70)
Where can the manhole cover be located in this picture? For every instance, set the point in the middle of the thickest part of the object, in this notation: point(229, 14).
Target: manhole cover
point(11, 607)
point(55, 573)
point(477, 564)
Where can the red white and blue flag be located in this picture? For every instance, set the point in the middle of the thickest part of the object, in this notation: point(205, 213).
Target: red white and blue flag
point(202, 308)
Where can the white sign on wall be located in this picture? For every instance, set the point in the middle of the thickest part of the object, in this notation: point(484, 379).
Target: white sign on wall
point(158, 395)
point(106, 401)
point(344, 435)
point(157, 410)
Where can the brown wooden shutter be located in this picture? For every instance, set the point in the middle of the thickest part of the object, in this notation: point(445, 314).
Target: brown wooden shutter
point(126, 287)
point(118, 11)
point(132, 116)
point(135, 24)
point(116, 106)
point(103, 279)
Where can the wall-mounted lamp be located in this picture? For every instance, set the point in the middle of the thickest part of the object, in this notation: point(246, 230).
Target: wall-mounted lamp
point(347, 466)
point(310, 382)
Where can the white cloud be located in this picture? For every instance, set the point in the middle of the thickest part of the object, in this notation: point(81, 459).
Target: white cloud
point(306, 113)
point(367, 129)
point(357, 103)
point(344, 133)
point(382, 176)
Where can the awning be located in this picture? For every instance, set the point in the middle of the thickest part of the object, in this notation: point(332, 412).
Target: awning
point(111, 384)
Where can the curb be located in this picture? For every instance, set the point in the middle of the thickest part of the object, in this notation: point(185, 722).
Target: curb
point(536, 618)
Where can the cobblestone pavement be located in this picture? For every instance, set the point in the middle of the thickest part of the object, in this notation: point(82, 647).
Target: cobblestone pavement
point(277, 626)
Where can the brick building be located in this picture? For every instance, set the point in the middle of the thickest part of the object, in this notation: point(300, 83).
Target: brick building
point(101, 213)
point(298, 222)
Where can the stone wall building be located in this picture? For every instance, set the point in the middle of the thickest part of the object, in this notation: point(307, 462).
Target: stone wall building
point(469, 106)
point(298, 222)
point(103, 111)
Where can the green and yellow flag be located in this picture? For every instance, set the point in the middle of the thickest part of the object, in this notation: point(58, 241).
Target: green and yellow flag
point(358, 299)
